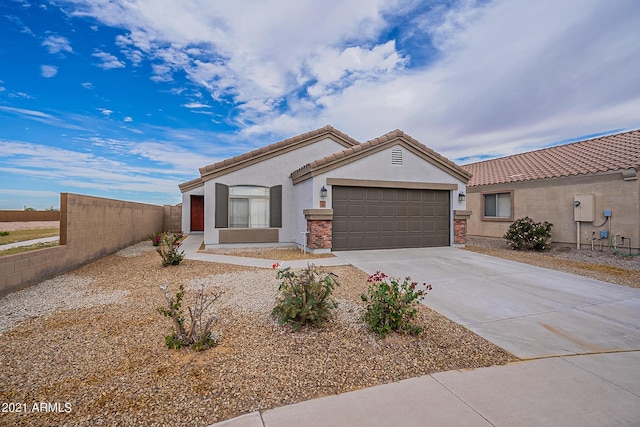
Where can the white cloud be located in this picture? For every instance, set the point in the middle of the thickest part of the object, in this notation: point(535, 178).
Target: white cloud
point(196, 105)
point(128, 119)
point(56, 44)
point(105, 111)
point(48, 71)
point(87, 85)
point(81, 170)
point(108, 61)
point(501, 76)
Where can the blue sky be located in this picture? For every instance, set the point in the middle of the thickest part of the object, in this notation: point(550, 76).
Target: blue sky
point(127, 99)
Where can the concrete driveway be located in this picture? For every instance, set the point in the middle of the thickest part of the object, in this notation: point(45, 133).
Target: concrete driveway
point(529, 311)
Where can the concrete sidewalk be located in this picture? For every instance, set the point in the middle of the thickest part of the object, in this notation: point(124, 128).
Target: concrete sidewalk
point(581, 336)
point(29, 242)
point(595, 390)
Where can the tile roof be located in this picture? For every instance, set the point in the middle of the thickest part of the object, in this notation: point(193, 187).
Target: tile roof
point(607, 153)
point(272, 149)
point(353, 153)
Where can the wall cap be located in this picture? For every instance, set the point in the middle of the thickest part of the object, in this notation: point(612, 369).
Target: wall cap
point(460, 214)
point(318, 214)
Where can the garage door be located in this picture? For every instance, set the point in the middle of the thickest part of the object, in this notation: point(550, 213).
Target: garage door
point(386, 218)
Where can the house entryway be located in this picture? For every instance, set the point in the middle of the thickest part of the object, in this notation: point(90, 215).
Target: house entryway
point(388, 218)
point(197, 213)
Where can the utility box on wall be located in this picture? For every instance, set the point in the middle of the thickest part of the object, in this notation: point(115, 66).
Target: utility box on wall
point(584, 207)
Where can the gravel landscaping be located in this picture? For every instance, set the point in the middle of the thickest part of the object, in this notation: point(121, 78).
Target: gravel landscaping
point(93, 340)
point(598, 264)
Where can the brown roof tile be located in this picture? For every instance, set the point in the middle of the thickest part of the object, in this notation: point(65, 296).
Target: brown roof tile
point(352, 153)
point(607, 153)
point(267, 150)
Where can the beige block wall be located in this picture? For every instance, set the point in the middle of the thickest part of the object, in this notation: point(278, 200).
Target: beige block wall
point(90, 227)
point(172, 218)
point(26, 216)
point(552, 200)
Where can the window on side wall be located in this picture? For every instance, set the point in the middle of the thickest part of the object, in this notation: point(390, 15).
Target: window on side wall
point(248, 207)
point(498, 206)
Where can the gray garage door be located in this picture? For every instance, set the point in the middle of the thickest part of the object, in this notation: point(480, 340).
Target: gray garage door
point(386, 218)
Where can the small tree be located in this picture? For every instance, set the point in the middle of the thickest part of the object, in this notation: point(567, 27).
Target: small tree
point(525, 233)
point(198, 335)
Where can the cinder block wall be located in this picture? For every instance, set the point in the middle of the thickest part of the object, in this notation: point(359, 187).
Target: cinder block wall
point(90, 228)
point(173, 218)
point(26, 216)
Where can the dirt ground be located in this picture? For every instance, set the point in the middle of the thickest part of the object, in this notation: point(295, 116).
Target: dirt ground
point(10, 226)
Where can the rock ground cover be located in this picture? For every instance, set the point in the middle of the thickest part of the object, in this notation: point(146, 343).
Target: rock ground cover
point(278, 254)
point(101, 346)
point(597, 264)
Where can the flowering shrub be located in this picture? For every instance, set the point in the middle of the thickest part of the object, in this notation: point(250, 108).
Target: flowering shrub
point(525, 233)
point(304, 299)
point(156, 238)
point(198, 335)
point(168, 249)
point(391, 305)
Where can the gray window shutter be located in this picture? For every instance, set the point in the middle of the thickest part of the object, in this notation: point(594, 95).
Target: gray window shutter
point(275, 206)
point(222, 206)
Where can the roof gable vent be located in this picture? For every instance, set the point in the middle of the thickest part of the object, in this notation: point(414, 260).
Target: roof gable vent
point(396, 156)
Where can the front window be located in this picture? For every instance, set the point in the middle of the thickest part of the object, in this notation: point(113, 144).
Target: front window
point(248, 207)
point(497, 205)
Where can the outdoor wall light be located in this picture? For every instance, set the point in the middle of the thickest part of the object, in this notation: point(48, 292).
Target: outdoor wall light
point(461, 197)
point(323, 192)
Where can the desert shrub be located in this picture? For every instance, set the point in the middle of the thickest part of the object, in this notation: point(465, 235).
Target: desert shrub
point(156, 238)
point(168, 249)
point(304, 299)
point(198, 335)
point(4, 233)
point(525, 233)
point(392, 305)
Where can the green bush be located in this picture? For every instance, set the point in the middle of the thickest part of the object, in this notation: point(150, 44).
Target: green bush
point(168, 249)
point(391, 305)
point(304, 299)
point(525, 233)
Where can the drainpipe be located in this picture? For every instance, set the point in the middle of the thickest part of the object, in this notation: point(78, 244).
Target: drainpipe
point(578, 235)
point(304, 241)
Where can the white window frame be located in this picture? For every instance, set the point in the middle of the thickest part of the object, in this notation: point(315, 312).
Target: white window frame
point(500, 214)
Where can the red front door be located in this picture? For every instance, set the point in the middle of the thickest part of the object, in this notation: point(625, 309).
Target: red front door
point(197, 213)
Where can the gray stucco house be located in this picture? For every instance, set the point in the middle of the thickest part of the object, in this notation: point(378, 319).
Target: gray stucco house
point(327, 191)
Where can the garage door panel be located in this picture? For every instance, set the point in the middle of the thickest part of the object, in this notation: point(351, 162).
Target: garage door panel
point(372, 210)
point(356, 211)
point(387, 195)
point(356, 226)
point(372, 194)
point(379, 218)
point(415, 211)
point(387, 210)
point(401, 195)
point(372, 227)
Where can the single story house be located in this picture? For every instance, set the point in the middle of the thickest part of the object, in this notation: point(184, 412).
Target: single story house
point(589, 190)
point(327, 191)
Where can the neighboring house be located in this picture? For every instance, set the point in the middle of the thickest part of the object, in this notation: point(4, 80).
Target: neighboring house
point(572, 186)
point(330, 192)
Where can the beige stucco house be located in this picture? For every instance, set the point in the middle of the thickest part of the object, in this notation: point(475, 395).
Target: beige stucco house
point(587, 189)
point(327, 191)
